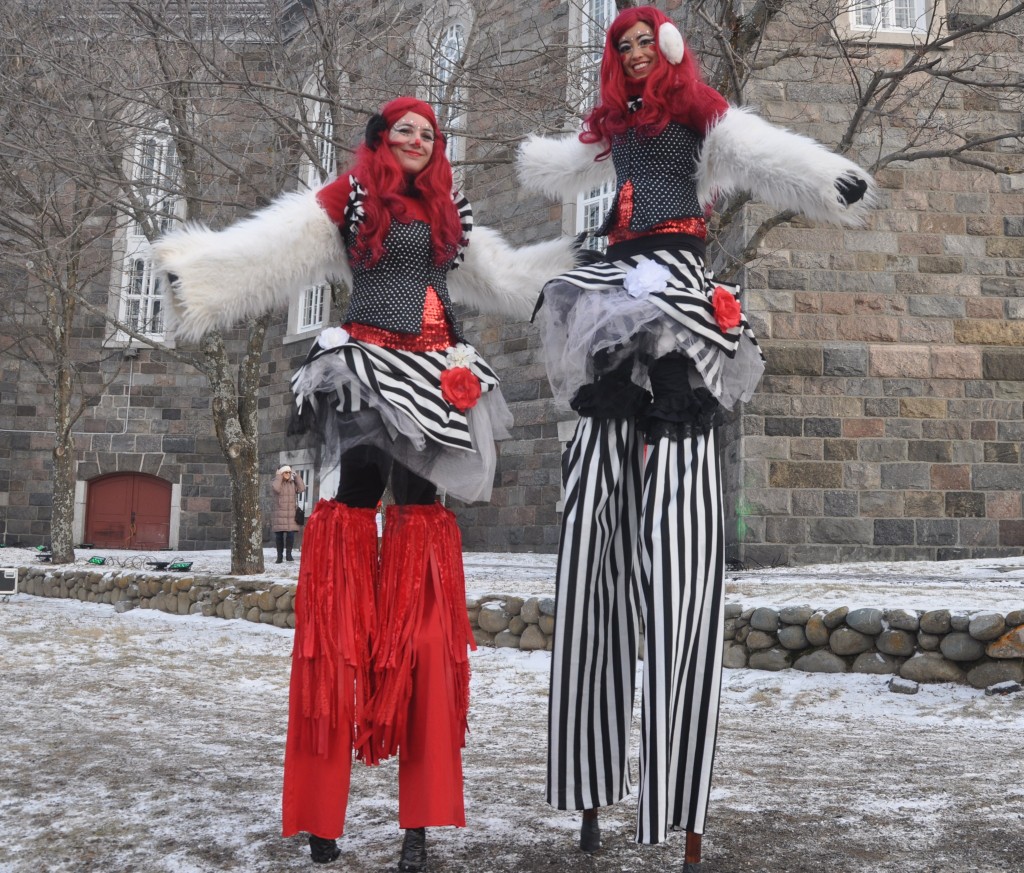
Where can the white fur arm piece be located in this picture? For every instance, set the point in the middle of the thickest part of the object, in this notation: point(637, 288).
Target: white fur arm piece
point(561, 167)
point(217, 278)
point(498, 279)
point(743, 152)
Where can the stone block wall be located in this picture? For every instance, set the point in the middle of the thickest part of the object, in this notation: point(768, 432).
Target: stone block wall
point(940, 645)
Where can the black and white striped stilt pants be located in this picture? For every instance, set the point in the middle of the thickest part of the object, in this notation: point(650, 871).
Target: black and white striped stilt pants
point(633, 552)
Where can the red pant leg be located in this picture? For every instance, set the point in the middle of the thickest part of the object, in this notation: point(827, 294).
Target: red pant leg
point(335, 612)
point(430, 758)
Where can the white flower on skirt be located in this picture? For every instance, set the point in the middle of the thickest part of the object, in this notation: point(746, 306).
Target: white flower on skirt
point(461, 355)
point(332, 337)
point(646, 278)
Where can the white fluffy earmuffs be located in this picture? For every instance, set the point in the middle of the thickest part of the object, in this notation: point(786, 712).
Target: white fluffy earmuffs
point(670, 41)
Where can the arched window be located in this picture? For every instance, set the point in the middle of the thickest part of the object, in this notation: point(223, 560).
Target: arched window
point(447, 97)
point(153, 168)
point(310, 311)
point(592, 205)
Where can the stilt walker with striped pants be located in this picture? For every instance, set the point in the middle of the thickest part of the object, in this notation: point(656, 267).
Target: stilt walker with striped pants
point(647, 347)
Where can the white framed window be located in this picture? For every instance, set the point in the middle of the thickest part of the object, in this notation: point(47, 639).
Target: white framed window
point(596, 15)
point(447, 97)
point(310, 310)
point(899, 15)
point(898, 22)
point(153, 167)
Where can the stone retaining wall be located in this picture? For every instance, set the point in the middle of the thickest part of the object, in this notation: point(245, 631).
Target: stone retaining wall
point(212, 596)
point(981, 649)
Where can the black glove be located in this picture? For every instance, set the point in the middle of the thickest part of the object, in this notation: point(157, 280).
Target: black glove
point(851, 188)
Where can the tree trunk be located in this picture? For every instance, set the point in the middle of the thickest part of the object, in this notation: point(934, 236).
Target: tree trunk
point(246, 517)
point(62, 513)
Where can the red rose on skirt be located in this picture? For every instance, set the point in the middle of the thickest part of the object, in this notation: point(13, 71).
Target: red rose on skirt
point(727, 308)
point(460, 387)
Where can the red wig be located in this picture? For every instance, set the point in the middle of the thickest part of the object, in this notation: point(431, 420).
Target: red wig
point(387, 186)
point(671, 92)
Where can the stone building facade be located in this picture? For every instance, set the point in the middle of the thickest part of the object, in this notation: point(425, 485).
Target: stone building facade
point(888, 425)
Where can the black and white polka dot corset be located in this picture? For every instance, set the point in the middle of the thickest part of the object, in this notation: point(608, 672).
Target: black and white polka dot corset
point(391, 293)
point(661, 170)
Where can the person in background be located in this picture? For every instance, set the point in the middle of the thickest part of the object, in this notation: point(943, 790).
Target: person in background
point(287, 485)
point(380, 662)
point(647, 348)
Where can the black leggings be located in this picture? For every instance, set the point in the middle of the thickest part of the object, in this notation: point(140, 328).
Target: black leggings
point(364, 475)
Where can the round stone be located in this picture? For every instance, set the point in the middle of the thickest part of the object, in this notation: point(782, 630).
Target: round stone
point(533, 639)
point(733, 610)
point(959, 622)
point(1015, 618)
point(530, 612)
point(931, 667)
point(793, 637)
point(987, 626)
point(899, 643)
point(929, 642)
point(816, 630)
point(867, 621)
point(821, 661)
point(836, 617)
point(765, 619)
point(735, 656)
point(773, 659)
point(795, 614)
point(936, 621)
point(876, 664)
point(757, 640)
point(847, 641)
point(902, 619)
point(493, 618)
point(960, 646)
point(506, 640)
point(993, 672)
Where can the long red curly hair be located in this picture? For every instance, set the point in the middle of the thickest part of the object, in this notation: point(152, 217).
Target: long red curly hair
point(671, 92)
point(388, 187)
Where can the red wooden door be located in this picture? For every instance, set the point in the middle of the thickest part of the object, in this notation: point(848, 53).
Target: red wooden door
point(128, 511)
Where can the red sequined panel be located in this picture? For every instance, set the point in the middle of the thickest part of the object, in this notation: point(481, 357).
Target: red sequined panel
point(620, 232)
point(435, 336)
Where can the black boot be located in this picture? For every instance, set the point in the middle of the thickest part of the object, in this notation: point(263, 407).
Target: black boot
point(414, 851)
point(323, 851)
point(279, 542)
point(590, 832)
point(289, 542)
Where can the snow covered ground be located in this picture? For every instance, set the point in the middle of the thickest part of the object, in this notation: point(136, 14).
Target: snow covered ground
point(144, 741)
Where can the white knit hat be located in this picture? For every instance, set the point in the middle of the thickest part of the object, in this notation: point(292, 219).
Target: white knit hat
point(284, 469)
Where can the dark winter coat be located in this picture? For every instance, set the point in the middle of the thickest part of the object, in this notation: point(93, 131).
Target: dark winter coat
point(283, 503)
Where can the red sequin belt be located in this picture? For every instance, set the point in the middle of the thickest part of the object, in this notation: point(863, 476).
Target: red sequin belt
point(620, 232)
point(435, 335)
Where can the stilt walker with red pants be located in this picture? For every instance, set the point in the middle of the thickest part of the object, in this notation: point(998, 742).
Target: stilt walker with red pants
point(380, 664)
point(646, 347)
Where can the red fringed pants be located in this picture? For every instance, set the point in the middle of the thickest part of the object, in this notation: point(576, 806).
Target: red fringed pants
point(379, 664)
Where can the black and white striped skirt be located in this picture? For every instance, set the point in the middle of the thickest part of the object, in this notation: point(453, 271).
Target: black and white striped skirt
point(360, 393)
point(640, 308)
